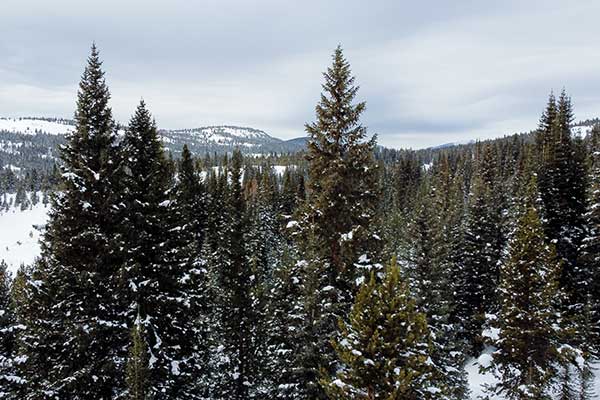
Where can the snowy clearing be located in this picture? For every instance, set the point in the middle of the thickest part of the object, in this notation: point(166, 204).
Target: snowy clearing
point(18, 237)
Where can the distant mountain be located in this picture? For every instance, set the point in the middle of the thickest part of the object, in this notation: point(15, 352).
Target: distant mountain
point(225, 138)
point(452, 144)
point(37, 140)
point(297, 143)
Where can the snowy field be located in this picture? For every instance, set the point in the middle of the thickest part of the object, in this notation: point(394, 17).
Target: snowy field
point(18, 237)
point(30, 126)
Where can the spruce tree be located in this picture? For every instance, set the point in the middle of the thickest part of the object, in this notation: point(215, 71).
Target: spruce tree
point(155, 270)
point(484, 242)
point(187, 220)
point(336, 231)
point(82, 254)
point(8, 376)
point(190, 203)
point(528, 354)
point(385, 347)
point(588, 266)
point(41, 336)
point(562, 186)
point(430, 267)
point(236, 371)
point(284, 315)
point(342, 178)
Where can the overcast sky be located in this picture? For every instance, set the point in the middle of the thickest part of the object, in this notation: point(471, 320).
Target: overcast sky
point(431, 72)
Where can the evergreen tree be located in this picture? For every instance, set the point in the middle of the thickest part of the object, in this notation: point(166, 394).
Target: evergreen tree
point(429, 263)
point(237, 372)
point(588, 267)
point(190, 203)
point(154, 272)
point(264, 246)
point(562, 186)
point(83, 254)
point(528, 355)
point(284, 316)
point(188, 220)
point(138, 377)
point(384, 349)
point(342, 175)
point(8, 377)
point(406, 181)
point(41, 336)
point(484, 242)
point(336, 224)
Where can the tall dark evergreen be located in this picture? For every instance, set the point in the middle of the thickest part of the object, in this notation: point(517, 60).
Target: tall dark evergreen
point(8, 373)
point(236, 373)
point(427, 257)
point(342, 178)
point(154, 272)
point(528, 357)
point(83, 255)
point(483, 246)
point(335, 227)
point(190, 204)
point(588, 266)
point(187, 222)
point(561, 175)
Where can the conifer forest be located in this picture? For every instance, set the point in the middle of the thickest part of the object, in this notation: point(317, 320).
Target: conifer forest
point(355, 272)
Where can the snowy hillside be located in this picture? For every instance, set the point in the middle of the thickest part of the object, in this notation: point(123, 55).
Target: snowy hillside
point(18, 235)
point(32, 126)
point(201, 140)
point(221, 136)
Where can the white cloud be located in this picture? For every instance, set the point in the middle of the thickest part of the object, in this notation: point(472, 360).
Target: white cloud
point(430, 72)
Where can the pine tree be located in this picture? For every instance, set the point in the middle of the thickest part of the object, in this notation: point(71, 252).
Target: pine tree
point(265, 246)
point(8, 377)
point(406, 181)
point(588, 267)
point(41, 337)
point(83, 254)
point(284, 316)
point(342, 176)
point(138, 377)
point(428, 260)
point(190, 203)
point(484, 242)
point(236, 371)
point(562, 186)
point(187, 218)
point(335, 235)
point(528, 353)
point(384, 349)
point(156, 271)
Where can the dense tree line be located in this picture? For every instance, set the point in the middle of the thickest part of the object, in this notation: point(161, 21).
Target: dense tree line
point(359, 272)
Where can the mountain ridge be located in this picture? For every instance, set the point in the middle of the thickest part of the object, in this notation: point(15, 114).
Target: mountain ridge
point(200, 140)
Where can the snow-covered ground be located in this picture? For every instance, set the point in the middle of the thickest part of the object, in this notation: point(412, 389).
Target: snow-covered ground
point(477, 380)
point(32, 126)
point(18, 237)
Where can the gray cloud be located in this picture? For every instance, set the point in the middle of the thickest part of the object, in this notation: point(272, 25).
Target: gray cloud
point(431, 72)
